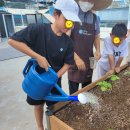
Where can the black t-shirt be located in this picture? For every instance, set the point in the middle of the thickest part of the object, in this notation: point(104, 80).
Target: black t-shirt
point(41, 39)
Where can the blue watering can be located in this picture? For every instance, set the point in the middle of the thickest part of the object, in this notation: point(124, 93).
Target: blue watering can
point(39, 85)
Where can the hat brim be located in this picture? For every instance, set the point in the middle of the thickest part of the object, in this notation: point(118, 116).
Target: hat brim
point(100, 4)
point(71, 16)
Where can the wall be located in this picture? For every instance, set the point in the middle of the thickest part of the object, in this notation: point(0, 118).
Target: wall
point(109, 17)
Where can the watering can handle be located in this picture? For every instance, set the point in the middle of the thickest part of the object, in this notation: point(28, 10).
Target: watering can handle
point(28, 65)
point(31, 62)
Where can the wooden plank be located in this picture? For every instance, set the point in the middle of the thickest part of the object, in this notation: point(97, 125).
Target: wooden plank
point(87, 88)
point(57, 124)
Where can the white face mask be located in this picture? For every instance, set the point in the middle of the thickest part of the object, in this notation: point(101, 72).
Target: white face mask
point(85, 6)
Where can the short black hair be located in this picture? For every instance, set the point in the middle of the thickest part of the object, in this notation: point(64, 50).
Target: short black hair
point(58, 12)
point(119, 30)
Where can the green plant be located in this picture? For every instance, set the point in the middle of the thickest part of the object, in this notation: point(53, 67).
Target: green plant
point(105, 86)
point(114, 78)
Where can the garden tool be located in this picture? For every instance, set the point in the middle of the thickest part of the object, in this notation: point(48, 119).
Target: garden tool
point(39, 85)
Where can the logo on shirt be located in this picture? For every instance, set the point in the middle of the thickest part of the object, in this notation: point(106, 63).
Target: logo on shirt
point(61, 49)
point(117, 53)
point(84, 32)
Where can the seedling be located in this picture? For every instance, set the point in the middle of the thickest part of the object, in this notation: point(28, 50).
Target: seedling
point(114, 78)
point(105, 86)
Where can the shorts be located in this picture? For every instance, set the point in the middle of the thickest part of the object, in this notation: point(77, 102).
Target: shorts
point(31, 101)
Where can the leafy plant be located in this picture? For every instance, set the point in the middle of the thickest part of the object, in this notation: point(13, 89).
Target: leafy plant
point(105, 86)
point(114, 77)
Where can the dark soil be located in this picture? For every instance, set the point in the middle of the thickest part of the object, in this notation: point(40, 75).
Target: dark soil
point(114, 113)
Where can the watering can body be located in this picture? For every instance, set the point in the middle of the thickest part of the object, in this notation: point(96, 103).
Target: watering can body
point(39, 85)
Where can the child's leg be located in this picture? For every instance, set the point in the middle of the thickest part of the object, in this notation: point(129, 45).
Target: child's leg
point(38, 111)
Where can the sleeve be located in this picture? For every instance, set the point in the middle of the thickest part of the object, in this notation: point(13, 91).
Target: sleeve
point(97, 25)
point(124, 50)
point(27, 35)
point(108, 49)
point(69, 57)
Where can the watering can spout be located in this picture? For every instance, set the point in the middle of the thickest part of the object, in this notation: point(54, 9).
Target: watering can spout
point(60, 98)
point(73, 98)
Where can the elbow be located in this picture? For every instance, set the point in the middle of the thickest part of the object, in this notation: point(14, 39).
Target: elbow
point(10, 42)
point(68, 66)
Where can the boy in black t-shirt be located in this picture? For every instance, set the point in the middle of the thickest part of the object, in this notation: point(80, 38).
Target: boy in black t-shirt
point(49, 45)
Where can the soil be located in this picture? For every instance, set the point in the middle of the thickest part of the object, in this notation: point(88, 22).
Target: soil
point(113, 113)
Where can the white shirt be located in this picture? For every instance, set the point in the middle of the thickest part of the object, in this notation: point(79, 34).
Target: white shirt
point(110, 48)
point(128, 26)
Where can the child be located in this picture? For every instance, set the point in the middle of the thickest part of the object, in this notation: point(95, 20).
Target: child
point(115, 49)
point(49, 45)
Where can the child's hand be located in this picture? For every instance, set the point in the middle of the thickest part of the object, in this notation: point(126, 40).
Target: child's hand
point(43, 62)
point(110, 72)
point(117, 69)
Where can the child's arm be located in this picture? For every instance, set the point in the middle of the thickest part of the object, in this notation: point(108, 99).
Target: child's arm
point(27, 50)
point(63, 70)
point(117, 67)
point(108, 52)
point(111, 64)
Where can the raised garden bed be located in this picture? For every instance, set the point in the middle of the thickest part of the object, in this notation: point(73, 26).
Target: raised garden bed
point(113, 113)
